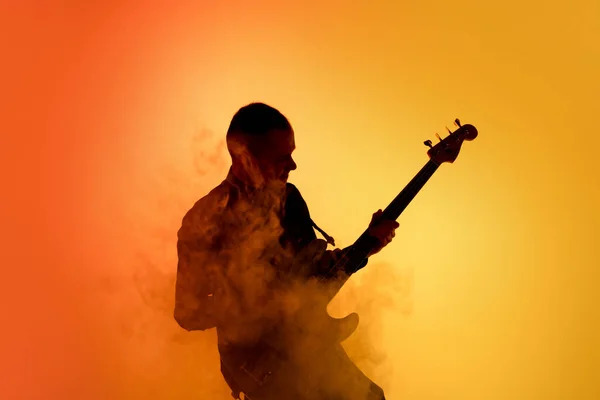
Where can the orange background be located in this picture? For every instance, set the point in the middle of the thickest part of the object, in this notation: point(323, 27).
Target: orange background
point(113, 119)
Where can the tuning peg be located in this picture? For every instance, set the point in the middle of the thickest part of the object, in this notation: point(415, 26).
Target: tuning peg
point(449, 131)
point(428, 144)
point(438, 136)
point(457, 122)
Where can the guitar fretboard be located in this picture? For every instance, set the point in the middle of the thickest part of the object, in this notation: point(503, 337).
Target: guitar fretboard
point(359, 251)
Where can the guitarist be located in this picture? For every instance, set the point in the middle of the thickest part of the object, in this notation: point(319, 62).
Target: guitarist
point(238, 270)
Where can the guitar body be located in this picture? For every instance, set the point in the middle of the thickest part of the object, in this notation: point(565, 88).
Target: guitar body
point(309, 370)
point(298, 359)
point(298, 362)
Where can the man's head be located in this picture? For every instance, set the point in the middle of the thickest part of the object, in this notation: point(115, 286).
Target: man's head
point(261, 140)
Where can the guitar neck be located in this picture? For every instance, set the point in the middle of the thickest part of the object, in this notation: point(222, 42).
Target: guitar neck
point(397, 206)
point(359, 251)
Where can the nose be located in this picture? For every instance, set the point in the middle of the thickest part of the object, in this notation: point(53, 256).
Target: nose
point(292, 166)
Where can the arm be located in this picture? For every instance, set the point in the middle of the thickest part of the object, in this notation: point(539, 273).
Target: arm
point(222, 283)
point(379, 234)
point(198, 259)
point(194, 297)
point(331, 258)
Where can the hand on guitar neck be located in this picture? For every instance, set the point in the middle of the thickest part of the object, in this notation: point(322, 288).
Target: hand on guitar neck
point(383, 230)
point(383, 225)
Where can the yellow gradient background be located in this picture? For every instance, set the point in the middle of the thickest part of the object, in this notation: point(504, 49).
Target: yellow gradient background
point(113, 115)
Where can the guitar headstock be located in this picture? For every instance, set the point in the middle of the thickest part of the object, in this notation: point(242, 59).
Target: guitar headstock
point(448, 148)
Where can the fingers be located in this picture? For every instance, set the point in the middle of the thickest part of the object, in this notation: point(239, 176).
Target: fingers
point(379, 213)
point(384, 231)
point(389, 237)
point(384, 227)
point(376, 215)
point(384, 235)
point(392, 224)
point(389, 225)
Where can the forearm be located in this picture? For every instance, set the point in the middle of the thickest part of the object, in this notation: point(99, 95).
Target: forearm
point(339, 264)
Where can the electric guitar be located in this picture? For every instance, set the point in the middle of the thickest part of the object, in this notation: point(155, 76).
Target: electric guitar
point(446, 151)
point(314, 332)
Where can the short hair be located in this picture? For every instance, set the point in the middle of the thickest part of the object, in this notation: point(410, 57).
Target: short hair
point(257, 119)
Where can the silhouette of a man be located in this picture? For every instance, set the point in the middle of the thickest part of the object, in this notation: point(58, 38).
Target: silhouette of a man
point(238, 248)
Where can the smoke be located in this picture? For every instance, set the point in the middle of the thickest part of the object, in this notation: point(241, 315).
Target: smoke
point(160, 360)
point(380, 292)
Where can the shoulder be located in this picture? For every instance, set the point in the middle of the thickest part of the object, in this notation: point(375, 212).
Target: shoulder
point(292, 190)
point(206, 211)
point(294, 198)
